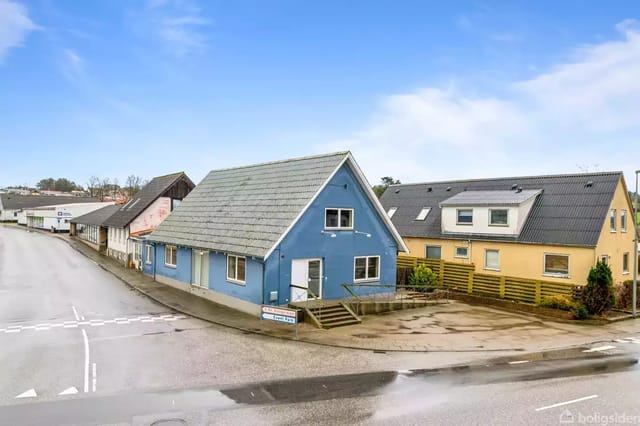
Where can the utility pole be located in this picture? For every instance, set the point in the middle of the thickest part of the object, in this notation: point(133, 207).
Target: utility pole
point(635, 247)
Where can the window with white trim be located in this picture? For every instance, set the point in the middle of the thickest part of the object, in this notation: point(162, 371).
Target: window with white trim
point(623, 220)
point(556, 265)
point(612, 220)
point(392, 211)
point(625, 263)
point(366, 268)
point(170, 256)
point(492, 259)
point(464, 216)
point(498, 217)
point(148, 254)
point(604, 259)
point(237, 269)
point(338, 219)
point(423, 213)
point(462, 252)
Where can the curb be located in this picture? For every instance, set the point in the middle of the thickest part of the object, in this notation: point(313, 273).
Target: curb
point(72, 244)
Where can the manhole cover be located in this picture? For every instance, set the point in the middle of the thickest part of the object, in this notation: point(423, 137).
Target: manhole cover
point(169, 422)
point(366, 336)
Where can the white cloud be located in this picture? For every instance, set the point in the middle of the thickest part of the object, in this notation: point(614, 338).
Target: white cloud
point(73, 66)
point(179, 24)
point(15, 25)
point(583, 112)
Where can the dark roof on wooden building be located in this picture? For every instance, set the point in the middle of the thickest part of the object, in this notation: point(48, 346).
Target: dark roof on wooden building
point(175, 186)
point(570, 210)
point(97, 217)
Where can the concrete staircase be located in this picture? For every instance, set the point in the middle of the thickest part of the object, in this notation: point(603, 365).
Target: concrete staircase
point(335, 315)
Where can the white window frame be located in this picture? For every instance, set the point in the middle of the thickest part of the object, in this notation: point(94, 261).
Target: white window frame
point(625, 255)
point(485, 260)
point(613, 217)
point(623, 221)
point(455, 253)
point(166, 250)
point(423, 213)
point(148, 251)
point(556, 274)
point(236, 280)
point(340, 210)
point(604, 258)
point(498, 224)
point(458, 217)
point(391, 212)
point(366, 269)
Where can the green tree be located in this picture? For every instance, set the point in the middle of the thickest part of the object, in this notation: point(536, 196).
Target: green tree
point(598, 295)
point(385, 182)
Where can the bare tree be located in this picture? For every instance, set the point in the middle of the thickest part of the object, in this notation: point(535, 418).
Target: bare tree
point(132, 185)
point(93, 186)
point(104, 187)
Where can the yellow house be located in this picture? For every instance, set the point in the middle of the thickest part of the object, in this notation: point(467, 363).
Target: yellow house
point(540, 227)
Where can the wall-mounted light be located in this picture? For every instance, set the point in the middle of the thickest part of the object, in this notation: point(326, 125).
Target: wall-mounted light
point(331, 234)
point(363, 233)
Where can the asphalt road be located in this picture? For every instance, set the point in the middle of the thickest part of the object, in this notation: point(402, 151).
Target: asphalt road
point(79, 347)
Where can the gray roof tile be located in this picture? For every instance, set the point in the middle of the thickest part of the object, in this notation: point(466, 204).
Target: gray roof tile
point(97, 217)
point(17, 202)
point(245, 210)
point(567, 212)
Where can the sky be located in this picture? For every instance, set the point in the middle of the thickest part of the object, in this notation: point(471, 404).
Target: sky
point(417, 90)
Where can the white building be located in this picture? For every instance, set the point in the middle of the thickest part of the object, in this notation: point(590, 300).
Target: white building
point(13, 206)
point(57, 218)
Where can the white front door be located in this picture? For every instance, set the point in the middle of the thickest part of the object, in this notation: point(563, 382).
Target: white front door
point(200, 268)
point(306, 279)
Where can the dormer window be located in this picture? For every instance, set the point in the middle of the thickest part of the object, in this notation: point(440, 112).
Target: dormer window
point(392, 211)
point(464, 216)
point(423, 213)
point(498, 217)
point(338, 219)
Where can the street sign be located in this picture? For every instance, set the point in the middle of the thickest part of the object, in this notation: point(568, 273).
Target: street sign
point(278, 314)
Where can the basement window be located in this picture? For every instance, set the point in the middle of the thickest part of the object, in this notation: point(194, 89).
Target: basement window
point(556, 265)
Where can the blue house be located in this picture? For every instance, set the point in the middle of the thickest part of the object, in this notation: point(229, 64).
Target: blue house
point(276, 233)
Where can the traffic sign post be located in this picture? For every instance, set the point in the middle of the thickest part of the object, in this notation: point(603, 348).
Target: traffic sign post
point(278, 314)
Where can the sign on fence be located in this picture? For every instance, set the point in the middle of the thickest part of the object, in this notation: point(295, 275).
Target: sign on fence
point(278, 314)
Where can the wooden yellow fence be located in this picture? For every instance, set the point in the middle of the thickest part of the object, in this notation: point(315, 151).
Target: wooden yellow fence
point(462, 277)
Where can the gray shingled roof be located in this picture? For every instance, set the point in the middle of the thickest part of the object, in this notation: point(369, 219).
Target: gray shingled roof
point(490, 198)
point(17, 202)
point(245, 210)
point(569, 211)
point(143, 199)
point(96, 217)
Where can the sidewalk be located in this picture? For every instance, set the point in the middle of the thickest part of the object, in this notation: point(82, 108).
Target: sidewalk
point(452, 327)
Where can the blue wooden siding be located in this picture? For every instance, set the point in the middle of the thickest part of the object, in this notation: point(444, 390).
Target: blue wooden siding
point(182, 270)
point(305, 240)
point(251, 291)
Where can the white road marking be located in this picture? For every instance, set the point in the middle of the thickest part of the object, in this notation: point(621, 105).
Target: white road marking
point(69, 391)
point(95, 323)
point(94, 378)
point(31, 393)
point(600, 348)
point(573, 401)
point(518, 362)
point(86, 360)
point(75, 313)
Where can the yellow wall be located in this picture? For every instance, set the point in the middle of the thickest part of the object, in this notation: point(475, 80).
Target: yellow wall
point(516, 259)
point(615, 243)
